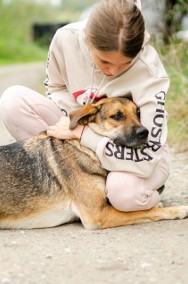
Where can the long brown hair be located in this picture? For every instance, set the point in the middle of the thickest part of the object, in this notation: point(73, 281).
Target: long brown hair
point(116, 25)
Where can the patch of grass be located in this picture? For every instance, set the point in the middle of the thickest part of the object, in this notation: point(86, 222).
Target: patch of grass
point(27, 52)
point(175, 59)
point(16, 21)
point(16, 34)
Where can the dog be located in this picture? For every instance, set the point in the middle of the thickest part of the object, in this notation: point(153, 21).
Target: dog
point(46, 182)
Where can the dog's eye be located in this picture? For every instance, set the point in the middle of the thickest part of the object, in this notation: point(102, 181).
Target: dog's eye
point(118, 116)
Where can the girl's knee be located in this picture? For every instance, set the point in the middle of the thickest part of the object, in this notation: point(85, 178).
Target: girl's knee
point(127, 193)
point(14, 110)
point(9, 102)
point(13, 91)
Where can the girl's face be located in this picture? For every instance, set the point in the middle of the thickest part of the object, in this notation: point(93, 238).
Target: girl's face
point(110, 63)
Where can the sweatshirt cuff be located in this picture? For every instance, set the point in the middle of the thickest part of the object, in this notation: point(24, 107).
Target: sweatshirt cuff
point(90, 139)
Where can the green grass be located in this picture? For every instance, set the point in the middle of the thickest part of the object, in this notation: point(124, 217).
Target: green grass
point(16, 35)
point(27, 52)
point(16, 38)
point(175, 59)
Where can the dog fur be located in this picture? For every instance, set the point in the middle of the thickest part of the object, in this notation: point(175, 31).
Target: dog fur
point(46, 182)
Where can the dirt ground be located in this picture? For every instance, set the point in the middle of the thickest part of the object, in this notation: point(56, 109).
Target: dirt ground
point(138, 254)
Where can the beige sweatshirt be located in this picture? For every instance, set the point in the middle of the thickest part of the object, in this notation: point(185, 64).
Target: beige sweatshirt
point(70, 71)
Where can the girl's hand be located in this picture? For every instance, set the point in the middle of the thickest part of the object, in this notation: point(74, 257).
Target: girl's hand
point(61, 130)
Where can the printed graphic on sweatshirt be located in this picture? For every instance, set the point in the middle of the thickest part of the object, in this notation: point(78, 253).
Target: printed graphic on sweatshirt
point(85, 97)
point(154, 143)
point(47, 76)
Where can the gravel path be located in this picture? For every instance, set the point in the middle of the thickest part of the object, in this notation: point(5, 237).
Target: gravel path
point(138, 254)
point(30, 75)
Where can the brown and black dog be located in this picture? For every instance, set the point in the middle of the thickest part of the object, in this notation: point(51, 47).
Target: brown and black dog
point(45, 182)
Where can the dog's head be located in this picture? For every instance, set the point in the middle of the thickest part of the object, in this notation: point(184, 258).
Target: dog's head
point(116, 118)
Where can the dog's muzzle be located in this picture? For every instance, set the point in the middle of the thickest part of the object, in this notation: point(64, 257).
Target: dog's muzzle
point(135, 138)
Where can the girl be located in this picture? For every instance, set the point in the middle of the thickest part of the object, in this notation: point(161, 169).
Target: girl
point(108, 54)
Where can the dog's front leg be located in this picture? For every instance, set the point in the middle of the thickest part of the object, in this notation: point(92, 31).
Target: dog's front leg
point(109, 217)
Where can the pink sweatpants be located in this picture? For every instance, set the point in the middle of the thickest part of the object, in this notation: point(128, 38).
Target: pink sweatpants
point(26, 113)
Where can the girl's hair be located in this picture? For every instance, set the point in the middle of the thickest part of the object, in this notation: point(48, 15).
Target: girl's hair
point(116, 25)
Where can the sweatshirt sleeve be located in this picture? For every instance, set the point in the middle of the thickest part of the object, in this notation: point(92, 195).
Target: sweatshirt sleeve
point(54, 80)
point(56, 76)
point(140, 161)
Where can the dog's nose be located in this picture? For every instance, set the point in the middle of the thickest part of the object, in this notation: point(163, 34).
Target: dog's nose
point(142, 132)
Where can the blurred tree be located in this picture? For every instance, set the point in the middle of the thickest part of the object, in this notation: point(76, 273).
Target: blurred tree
point(76, 5)
point(174, 12)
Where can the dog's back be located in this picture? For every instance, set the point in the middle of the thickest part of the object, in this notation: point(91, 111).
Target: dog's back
point(41, 175)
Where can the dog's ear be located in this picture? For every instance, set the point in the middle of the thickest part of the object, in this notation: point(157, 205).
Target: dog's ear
point(81, 115)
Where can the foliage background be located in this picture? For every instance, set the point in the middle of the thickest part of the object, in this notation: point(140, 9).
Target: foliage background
point(16, 45)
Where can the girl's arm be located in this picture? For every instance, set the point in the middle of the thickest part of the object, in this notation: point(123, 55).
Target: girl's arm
point(140, 161)
point(56, 78)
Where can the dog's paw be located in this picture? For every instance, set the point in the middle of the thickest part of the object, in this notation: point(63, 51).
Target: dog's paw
point(181, 212)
